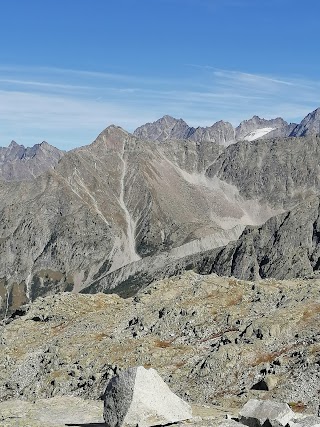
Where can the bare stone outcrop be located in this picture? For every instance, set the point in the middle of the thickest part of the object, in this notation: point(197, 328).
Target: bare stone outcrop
point(286, 246)
point(258, 413)
point(310, 125)
point(210, 338)
point(139, 396)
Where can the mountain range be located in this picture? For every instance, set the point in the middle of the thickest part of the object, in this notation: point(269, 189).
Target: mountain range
point(20, 163)
point(114, 215)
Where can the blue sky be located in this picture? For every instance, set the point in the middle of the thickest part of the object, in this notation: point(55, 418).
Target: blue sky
point(70, 68)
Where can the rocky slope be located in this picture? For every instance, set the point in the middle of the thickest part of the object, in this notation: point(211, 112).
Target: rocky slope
point(247, 130)
point(282, 172)
point(168, 128)
point(109, 204)
point(286, 246)
point(120, 212)
point(20, 163)
point(223, 133)
point(310, 125)
point(214, 340)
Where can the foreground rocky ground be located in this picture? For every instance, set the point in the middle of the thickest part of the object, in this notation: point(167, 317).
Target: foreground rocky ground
point(215, 341)
point(77, 412)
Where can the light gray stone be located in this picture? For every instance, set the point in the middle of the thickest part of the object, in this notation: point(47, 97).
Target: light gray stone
point(139, 396)
point(255, 413)
point(305, 421)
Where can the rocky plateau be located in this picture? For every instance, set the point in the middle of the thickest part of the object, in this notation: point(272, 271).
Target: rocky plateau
point(215, 341)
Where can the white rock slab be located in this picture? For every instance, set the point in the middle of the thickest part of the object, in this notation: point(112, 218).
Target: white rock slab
point(139, 396)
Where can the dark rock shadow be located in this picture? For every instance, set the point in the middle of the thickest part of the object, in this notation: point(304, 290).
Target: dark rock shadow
point(87, 425)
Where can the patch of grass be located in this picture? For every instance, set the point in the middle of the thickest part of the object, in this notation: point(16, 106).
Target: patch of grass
point(56, 374)
point(311, 311)
point(59, 328)
point(237, 299)
point(298, 406)
point(100, 336)
point(147, 365)
point(270, 357)
point(180, 364)
point(162, 344)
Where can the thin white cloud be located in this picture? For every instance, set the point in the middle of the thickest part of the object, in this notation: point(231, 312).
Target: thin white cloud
point(254, 78)
point(42, 84)
point(70, 107)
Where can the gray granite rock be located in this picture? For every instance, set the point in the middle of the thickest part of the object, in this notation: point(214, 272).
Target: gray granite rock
point(139, 396)
point(258, 413)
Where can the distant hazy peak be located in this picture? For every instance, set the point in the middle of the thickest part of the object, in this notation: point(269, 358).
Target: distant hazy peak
point(221, 132)
point(257, 127)
point(13, 144)
point(19, 163)
point(165, 128)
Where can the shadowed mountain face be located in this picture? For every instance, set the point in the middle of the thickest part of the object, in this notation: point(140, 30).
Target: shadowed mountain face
point(20, 163)
point(286, 246)
point(310, 125)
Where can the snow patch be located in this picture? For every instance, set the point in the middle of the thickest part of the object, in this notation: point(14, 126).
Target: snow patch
point(258, 133)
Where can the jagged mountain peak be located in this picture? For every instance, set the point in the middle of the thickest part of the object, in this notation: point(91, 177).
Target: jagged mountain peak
point(258, 127)
point(169, 119)
point(19, 163)
point(310, 125)
point(111, 138)
point(221, 132)
point(14, 144)
point(110, 132)
point(45, 144)
point(163, 129)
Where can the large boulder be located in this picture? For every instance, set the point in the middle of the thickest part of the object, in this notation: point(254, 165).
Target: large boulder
point(139, 396)
point(258, 413)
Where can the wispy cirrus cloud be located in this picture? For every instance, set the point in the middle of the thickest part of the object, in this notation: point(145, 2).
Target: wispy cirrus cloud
point(70, 107)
